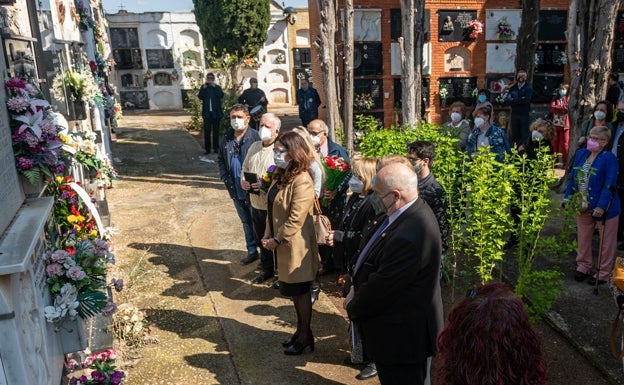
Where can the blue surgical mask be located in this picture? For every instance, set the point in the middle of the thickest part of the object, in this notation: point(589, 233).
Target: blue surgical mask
point(482, 98)
point(278, 159)
point(563, 92)
point(356, 185)
point(378, 204)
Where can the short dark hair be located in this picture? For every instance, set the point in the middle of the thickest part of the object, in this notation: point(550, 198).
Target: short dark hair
point(422, 149)
point(240, 107)
point(613, 76)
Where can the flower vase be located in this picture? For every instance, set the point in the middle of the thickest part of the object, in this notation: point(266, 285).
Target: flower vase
point(73, 334)
point(443, 102)
point(78, 110)
point(30, 190)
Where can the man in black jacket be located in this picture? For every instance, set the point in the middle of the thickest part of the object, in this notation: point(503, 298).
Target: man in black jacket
point(232, 153)
point(211, 94)
point(395, 295)
point(421, 154)
point(254, 97)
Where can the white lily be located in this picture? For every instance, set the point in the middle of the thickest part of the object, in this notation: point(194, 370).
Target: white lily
point(30, 120)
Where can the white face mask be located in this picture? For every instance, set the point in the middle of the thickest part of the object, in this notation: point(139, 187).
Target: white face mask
point(316, 140)
point(279, 160)
point(599, 115)
point(265, 133)
point(479, 122)
point(238, 124)
point(536, 135)
point(356, 185)
point(455, 116)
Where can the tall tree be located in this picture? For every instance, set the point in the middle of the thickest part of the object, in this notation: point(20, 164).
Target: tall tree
point(233, 29)
point(591, 29)
point(326, 45)
point(527, 38)
point(411, 46)
point(347, 107)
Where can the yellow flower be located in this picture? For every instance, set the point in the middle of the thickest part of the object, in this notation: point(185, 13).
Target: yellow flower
point(94, 233)
point(59, 179)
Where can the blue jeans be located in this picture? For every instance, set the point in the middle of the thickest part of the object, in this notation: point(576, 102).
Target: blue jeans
point(243, 209)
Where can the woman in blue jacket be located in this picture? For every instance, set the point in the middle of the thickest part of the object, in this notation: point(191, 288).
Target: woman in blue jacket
point(593, 177)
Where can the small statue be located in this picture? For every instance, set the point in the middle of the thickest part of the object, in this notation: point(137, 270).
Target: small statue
point(448, 25)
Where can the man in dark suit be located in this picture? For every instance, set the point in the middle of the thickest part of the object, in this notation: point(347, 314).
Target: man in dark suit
point(396, 289)
point(211, 95)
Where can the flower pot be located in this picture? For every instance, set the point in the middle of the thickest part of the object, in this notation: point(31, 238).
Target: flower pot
point(77, 110)
point(73, 334)
point(30, 190)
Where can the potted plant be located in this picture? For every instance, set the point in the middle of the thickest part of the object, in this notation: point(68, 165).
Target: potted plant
point(443, 94)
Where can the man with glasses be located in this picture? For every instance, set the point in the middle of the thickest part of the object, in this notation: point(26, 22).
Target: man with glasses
point(232, 152)
point(337, 198)
point(395, 295)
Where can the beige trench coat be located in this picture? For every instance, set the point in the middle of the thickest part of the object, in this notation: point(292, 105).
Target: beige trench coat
point(297, 255)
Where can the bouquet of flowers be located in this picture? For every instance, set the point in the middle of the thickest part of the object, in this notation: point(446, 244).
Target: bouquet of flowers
point(504, 29)
point(559, 58)
point(104, 372)
point(473, 29)
point(363, 101)
point(251, 62)
point(336, 170)
point(36, 141)
point(267, 178)
point(73, 219)
point(84, 15)
point(80, 86)
point(443, 91)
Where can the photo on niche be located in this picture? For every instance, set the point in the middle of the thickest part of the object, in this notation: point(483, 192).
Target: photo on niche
point(452, 24)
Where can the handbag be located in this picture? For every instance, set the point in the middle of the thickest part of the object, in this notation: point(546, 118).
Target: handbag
point(618, 273)
point(322, 225)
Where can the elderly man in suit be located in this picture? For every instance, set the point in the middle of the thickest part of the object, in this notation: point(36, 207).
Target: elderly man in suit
point(396, 284)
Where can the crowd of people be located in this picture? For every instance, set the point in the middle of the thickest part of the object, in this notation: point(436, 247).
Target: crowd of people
point(387, 243)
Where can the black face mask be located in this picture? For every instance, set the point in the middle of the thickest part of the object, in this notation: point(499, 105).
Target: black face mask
point(620, 116)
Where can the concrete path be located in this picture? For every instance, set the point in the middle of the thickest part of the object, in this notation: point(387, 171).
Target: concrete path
point(178, 244)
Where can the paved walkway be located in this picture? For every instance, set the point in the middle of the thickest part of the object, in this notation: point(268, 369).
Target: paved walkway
point(178, 243)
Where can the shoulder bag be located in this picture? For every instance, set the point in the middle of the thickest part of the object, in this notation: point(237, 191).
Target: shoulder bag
point(322, 225)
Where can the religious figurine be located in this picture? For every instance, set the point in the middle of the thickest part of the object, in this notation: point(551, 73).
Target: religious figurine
point(448, 25)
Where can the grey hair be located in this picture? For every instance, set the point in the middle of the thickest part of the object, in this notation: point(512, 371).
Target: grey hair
point(398, 176)
point(274, 118)
point(324, 127)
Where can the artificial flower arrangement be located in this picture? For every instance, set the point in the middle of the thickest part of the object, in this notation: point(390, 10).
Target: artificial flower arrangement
point(267, 178)
point(363, 101)
point(559, 58)
point(251, 62)
point(502, 89)
point(76, 267)
point(504, 29)
point(84, 14)
point(103, 370)
point(80, 86)
point(473, 29)
point(280, 58)
point(336, 170)
point(35, 136)
point(443, 92)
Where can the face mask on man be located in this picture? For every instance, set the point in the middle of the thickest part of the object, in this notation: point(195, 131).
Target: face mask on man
point(378, 204)
point(456, 116)
point(521, 79)
point(316, 140)
point(482, 98)
point(238, 124)
point(599, 115)
point(356, 185)
point(265, 133)
point(478, 122)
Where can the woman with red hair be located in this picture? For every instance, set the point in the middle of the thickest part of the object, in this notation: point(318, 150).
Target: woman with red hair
point(488, 340)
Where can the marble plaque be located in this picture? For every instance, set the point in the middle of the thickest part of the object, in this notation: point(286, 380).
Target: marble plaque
point(500, 58)
point(367, 25)
point(395, 59)
point(544, 87)
point(451, 24)
point(550, 58)
point(496, 17)
point(459, 89)
point(619, 27)
point(618, 57)
point(367, 59)
point(552, 25)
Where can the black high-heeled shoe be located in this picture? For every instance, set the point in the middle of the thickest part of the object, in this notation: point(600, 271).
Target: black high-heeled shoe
point(291, 341)
point(299, 346)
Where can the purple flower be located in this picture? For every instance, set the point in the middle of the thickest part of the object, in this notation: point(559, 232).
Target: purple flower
point(76, 273)
point(16, 83)
point(109, 309)
point(25, 163)
point(271, 168)
point(118, 284)
point(59, 256)
point(116, 377)
point(54, 270)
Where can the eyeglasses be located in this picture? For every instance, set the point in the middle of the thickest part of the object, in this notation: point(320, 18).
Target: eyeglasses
point(316, 133)
point(280, 150)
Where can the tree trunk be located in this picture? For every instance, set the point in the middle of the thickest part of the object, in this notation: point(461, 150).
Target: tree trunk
point(591, 26)
point(527, 38)
point(326, 44)
point(347, 100)
point(408, 81)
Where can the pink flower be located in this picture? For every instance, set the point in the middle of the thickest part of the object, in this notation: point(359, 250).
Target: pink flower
point(15, 83)
point(18, 104)
point(76, 273)
point(59, 256)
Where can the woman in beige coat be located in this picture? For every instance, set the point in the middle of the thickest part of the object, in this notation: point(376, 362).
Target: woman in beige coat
point(290, 232)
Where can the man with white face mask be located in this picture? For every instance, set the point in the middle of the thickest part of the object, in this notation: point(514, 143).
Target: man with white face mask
point(232, 152)
point(259, 158)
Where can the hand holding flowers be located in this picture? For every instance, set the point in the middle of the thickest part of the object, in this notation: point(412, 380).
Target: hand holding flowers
point(267, 178)
point(336, 170)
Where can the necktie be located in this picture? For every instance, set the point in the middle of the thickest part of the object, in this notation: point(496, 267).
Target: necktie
point(370, 242)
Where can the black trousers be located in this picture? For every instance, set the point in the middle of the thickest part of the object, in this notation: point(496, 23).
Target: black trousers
point(258, 219)
point(408, 374)
point(520, 124)
point(211, 131)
